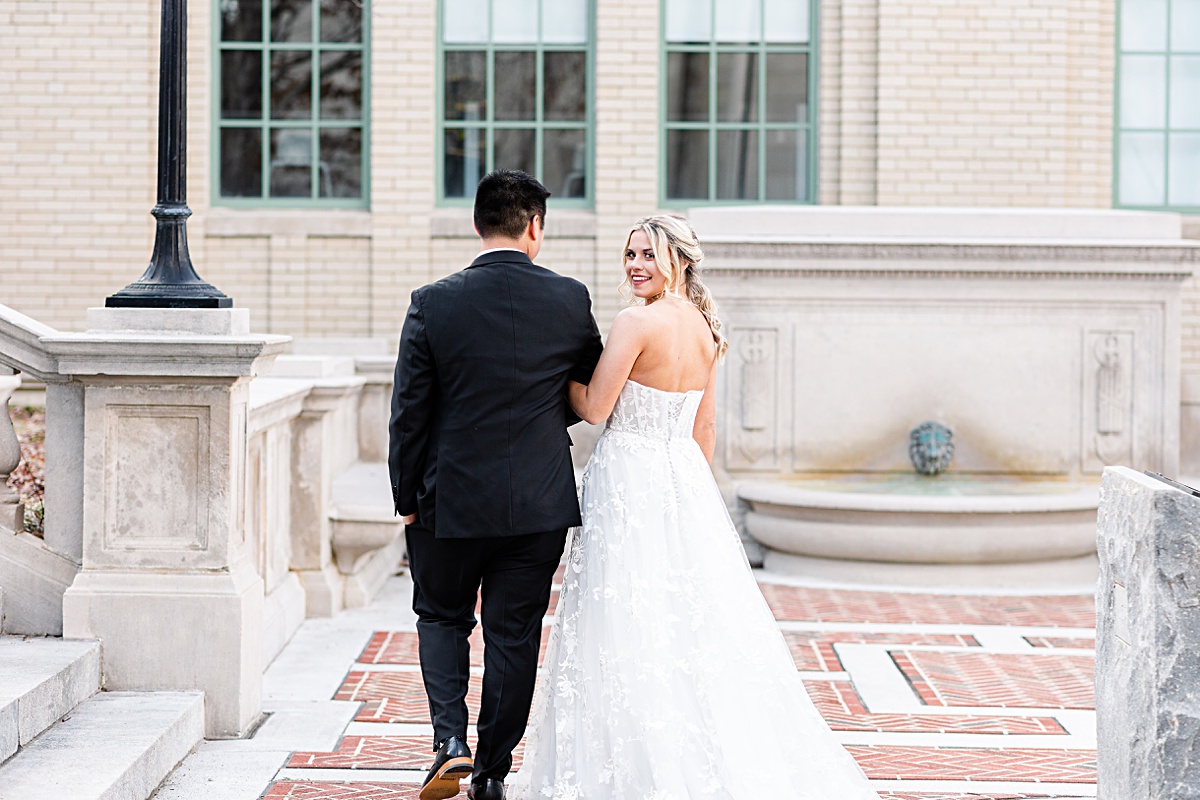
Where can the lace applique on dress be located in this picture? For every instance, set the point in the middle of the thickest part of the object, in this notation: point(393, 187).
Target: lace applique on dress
point(666, 676)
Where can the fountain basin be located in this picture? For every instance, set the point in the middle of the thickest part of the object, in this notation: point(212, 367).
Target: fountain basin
point(913, 520)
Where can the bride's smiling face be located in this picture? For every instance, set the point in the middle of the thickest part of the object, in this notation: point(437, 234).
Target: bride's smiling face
point(641, 269)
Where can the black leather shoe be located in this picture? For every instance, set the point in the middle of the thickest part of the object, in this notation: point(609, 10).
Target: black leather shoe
point(451, 764)
point(486, 789)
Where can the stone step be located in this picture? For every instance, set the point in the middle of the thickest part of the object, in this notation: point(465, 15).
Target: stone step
point(116, 746)
point(40, 681)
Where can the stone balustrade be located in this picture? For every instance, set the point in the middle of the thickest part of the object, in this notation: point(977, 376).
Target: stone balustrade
point(203, 495)
point(12, 513)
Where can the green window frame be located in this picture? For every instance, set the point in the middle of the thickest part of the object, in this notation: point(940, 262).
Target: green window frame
point(468, 148)
point(760, 138)
point(314, 157)
point(1156, 113)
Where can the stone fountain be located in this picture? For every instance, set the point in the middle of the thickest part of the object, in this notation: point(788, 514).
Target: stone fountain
point(1047, 340)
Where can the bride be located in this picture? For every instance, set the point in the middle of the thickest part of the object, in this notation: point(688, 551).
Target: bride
point(667, 677)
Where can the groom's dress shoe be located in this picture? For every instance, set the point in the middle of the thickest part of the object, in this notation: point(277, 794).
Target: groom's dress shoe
point(486, 789)
point(451, 764)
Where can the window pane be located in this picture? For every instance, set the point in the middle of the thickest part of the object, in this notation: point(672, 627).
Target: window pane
point(785, 20)
point(1185, 170)
point(516, 85)
point(1143, 91)
point(241, 20)
point(1144, 25)
point(341, 85)
point(687, 87)
point(689, 20)
point(1185, 26)
point(464, 21)
point(291, 163)
point(341, 20)
point(1142, 169)
point(465, 160)
point(564, 21)
point(241, 84)
point(466, 85)
point(687, 165)
point(737, 87)
point(340, 167)
point(515, 149)
point(565, 156)
point(739, 21)
point(565, 76)
point(291, 84)
point(786, 175)
point(787, 87)
point(737, 165)
point(515, 21)
point(1185, 92)
point(291, 20)
point(241, 162)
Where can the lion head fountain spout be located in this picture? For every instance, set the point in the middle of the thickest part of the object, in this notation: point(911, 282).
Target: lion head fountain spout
point(931, 448)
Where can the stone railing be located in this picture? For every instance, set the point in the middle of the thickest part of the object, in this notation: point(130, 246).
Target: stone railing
point(12, 513)
point(184, 493)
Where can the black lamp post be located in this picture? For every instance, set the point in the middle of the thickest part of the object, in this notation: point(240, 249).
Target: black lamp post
point(170, 281)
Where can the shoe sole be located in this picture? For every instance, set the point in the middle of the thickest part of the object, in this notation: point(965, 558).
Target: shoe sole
point(446, 783)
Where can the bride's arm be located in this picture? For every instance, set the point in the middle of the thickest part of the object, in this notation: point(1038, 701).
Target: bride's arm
point(626, 340)
point(705, 429)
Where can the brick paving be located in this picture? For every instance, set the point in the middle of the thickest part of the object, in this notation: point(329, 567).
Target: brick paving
point(815, 653)
point(942, 671)
point(842, 708)
point(1000, 680)
point(836, 605)
point(380, 752)
point(1072, 642)
point(1010, 764)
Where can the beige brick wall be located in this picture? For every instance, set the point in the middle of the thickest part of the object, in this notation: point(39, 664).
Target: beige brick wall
point(946, 102)
point(76, 126)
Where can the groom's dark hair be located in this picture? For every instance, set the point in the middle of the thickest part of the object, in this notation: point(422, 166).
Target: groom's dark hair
point(506, 200)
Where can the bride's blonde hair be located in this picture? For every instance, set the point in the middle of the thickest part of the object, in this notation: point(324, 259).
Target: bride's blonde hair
point(677, 255)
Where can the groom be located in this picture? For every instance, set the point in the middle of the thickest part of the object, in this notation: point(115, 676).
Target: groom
point(481, 472)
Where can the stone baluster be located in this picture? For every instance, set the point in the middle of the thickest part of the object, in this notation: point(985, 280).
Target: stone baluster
point(12, 513)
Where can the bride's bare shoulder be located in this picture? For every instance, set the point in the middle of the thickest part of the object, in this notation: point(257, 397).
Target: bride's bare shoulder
point(632, 320)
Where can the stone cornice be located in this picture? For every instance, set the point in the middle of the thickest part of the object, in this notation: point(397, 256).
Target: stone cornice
point(182, 356)
point(1140, 261)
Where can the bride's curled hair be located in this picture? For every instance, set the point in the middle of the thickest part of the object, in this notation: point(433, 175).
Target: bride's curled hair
point(677, 255)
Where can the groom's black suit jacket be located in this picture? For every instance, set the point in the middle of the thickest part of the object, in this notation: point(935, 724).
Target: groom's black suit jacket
point(478, 441)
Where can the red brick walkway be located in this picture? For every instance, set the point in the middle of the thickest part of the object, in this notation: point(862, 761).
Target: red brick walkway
point(969, 712)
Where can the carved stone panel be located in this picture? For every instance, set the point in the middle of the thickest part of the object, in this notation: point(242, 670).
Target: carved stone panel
point(1108, 399)
point(156, 479)
point(751, 425)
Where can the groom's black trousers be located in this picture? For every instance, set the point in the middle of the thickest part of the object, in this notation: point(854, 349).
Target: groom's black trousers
point(515, 574)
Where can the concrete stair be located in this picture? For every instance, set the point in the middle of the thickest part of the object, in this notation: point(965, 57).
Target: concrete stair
point(61, 737)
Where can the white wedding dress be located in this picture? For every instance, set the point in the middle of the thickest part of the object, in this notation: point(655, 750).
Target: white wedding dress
point(666, 676)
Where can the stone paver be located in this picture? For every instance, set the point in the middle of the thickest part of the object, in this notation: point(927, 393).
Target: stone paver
point(981, 699)
point(1002, 680)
